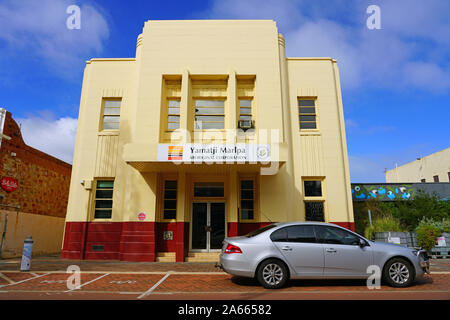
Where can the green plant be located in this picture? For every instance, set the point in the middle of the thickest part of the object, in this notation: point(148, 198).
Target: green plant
point(386, 223)
point(427, 232)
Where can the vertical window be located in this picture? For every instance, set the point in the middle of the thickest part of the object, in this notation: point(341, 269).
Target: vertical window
point(245, 109)
point(314, 200)
point(209, 114)
point(247, 197)
point(111, 114)
point(170, 199)
point(103, 199)
point(173, 114)
point(307, 113)
point(436, 178)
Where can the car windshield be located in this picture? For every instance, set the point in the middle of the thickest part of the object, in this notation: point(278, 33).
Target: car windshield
point(260, 230)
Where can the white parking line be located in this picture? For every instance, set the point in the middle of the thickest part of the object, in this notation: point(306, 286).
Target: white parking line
point(154, 287)
point(79, 287)
point(6, 278)
point(11, 284)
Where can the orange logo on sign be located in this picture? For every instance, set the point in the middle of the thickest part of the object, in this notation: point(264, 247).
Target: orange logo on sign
point(175, 153)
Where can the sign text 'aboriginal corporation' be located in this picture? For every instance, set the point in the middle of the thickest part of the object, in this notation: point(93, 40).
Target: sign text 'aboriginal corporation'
point(216, 153)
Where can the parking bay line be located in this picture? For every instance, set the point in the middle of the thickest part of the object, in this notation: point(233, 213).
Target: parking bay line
point(7, 279)
point(11, 284)
point(86, 283)
point(154, 286)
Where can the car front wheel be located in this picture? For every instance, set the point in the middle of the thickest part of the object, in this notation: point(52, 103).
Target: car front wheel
point(398, 273)
point(272, 274)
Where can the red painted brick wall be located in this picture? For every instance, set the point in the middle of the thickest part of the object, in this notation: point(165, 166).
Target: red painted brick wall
point(43, 180)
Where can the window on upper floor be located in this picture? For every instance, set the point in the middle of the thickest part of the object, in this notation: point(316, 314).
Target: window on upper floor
point(209, 114)
point(173, 114)
point(245, 113)
point(307, 113)
point(111, 114)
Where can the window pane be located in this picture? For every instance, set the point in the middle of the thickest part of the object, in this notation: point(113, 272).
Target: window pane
point(307, 118)
point(105, 184)
point(112, 103)
point(208, 189)
point(306, 102)
point(209, 111)
point(170, 214)
point(174, 111)
point(111, 125)
point(209, 118)
point(103, 204)
point(308, 125)
point(332, 235)
point(173, 125)
point(170, 204)
point(247, 204)
point(209, 103)
point(111, 111)
point(301, 234)
point(174, 118)
point(245, 111)
point(247, 214)
point(170, 194)
point(102, 214)
point(209, 125)
point(170, 184)
point(174, 103)
point(307, 110)
point(314, 211)
point(313, 188)
point(247, 194)
point(279, 236)
point(245, 103)
point(246, 184)
point(111, 119)
point(107, 194)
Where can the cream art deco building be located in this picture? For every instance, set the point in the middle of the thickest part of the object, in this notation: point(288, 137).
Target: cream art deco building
point(211, 131)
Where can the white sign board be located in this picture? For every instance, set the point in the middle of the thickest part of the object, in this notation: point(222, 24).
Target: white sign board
point(395, 240)
point(214, 153)
point(441, 242)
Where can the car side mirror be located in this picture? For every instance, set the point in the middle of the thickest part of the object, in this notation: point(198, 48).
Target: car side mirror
point(362, 243)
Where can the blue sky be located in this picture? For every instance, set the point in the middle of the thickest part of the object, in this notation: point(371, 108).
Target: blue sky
point(395, 81)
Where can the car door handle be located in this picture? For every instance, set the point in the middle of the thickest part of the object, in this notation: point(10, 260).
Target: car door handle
point(331, 250)
point(286, 248)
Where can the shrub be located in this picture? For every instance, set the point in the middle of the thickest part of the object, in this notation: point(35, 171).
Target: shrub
point(427, 232)
point(386, 223)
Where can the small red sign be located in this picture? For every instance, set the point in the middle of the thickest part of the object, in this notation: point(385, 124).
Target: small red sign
point(9, 183)
point(141, 216)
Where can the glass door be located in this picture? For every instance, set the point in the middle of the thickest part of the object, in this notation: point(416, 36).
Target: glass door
point(208, 226)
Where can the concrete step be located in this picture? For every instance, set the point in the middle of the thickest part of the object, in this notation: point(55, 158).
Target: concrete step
point(203, 257)
point(166, 257)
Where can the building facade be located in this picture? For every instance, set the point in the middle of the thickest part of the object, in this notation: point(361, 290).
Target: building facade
point(432, 168)
point(210, 131)
point(34, 189)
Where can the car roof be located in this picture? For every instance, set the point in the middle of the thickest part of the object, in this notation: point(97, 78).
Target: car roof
point(279, 224)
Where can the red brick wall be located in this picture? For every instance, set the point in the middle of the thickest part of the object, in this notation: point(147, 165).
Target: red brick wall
point(43, 180)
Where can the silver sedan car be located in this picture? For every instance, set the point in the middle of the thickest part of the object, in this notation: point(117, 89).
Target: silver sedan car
point(314, 250)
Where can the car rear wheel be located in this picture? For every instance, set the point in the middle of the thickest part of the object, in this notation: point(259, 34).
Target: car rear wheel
point(398, 272)
point(272, 274)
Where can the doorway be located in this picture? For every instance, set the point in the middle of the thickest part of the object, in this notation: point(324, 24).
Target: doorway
point(207, 226)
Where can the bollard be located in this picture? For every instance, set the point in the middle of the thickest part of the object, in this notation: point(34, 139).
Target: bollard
point(26, 254)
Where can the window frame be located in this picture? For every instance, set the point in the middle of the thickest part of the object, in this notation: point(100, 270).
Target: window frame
point(163, 209)
point(102, 114)
point(255, 197)
point(167, 107)
point(315, 114)
point(94, 199)
point(322, 198)
point(206, 98)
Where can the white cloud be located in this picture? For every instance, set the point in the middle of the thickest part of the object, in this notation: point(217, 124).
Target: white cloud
point(411, 49)
point(37, 30)
point(53, 136)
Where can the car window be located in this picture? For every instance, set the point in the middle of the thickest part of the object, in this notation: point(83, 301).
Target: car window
point(303, 234)
point(279, 235)
point(260, 230)
point(333, 235)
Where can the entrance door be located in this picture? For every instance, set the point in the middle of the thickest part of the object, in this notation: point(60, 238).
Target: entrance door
point(208, 226)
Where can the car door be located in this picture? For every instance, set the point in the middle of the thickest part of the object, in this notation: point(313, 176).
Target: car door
point(299, 247)
point(344, 257)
